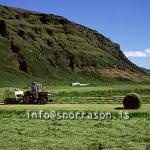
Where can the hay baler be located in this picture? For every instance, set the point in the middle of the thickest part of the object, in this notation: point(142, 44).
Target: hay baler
point(13, 96)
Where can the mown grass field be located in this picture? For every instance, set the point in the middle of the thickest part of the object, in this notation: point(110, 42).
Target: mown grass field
point(17, 132)
point(98, 94)
point(92, 94)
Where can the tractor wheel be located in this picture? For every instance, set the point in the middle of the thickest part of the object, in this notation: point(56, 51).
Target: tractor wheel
point(26, 99)
point(6, 101)
point(42, 101)
point(10, 101)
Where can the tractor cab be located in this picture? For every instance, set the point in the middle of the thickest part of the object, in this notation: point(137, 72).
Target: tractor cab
point(35, 87)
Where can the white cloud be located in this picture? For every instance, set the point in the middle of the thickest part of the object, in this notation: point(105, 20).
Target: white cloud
point(144, 53)
point(147, 51)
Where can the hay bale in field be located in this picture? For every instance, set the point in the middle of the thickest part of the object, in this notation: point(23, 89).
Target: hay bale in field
point(132, 101)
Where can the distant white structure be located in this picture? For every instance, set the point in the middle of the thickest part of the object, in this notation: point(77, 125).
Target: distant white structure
point(78, 84)
point(75, 84)
point(84, 84)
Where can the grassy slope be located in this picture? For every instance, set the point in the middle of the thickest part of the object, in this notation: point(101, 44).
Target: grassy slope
point(51, 48)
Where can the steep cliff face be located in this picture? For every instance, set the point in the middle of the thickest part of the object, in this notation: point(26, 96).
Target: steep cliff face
point(48, 46)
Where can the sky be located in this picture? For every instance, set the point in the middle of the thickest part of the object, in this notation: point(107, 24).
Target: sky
point(126, 22)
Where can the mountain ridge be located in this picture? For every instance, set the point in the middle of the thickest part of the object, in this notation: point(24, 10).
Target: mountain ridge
point(146, 70)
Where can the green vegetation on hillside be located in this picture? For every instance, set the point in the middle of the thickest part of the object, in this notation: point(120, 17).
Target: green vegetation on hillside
point(51, 48)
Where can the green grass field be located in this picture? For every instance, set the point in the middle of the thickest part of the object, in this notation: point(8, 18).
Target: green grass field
point(98, 94)
point(20, 133)
point(92, 94)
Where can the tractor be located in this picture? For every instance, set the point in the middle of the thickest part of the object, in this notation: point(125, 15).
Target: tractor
point(36, 94)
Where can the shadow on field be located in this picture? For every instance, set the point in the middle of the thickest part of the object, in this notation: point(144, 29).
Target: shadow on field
point(119, 108)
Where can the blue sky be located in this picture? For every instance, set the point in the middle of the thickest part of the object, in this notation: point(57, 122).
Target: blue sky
point(126, 22)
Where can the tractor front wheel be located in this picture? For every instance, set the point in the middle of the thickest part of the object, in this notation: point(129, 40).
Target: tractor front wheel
point(26, 99)
point(6, 101)
point(10, 101)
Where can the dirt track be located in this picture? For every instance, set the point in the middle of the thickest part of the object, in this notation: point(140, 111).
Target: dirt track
point(80, 107)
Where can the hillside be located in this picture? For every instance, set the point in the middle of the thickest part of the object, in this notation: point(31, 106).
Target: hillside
point(54, 49)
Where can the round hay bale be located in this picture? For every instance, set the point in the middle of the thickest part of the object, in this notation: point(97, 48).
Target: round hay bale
point(132, 101)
